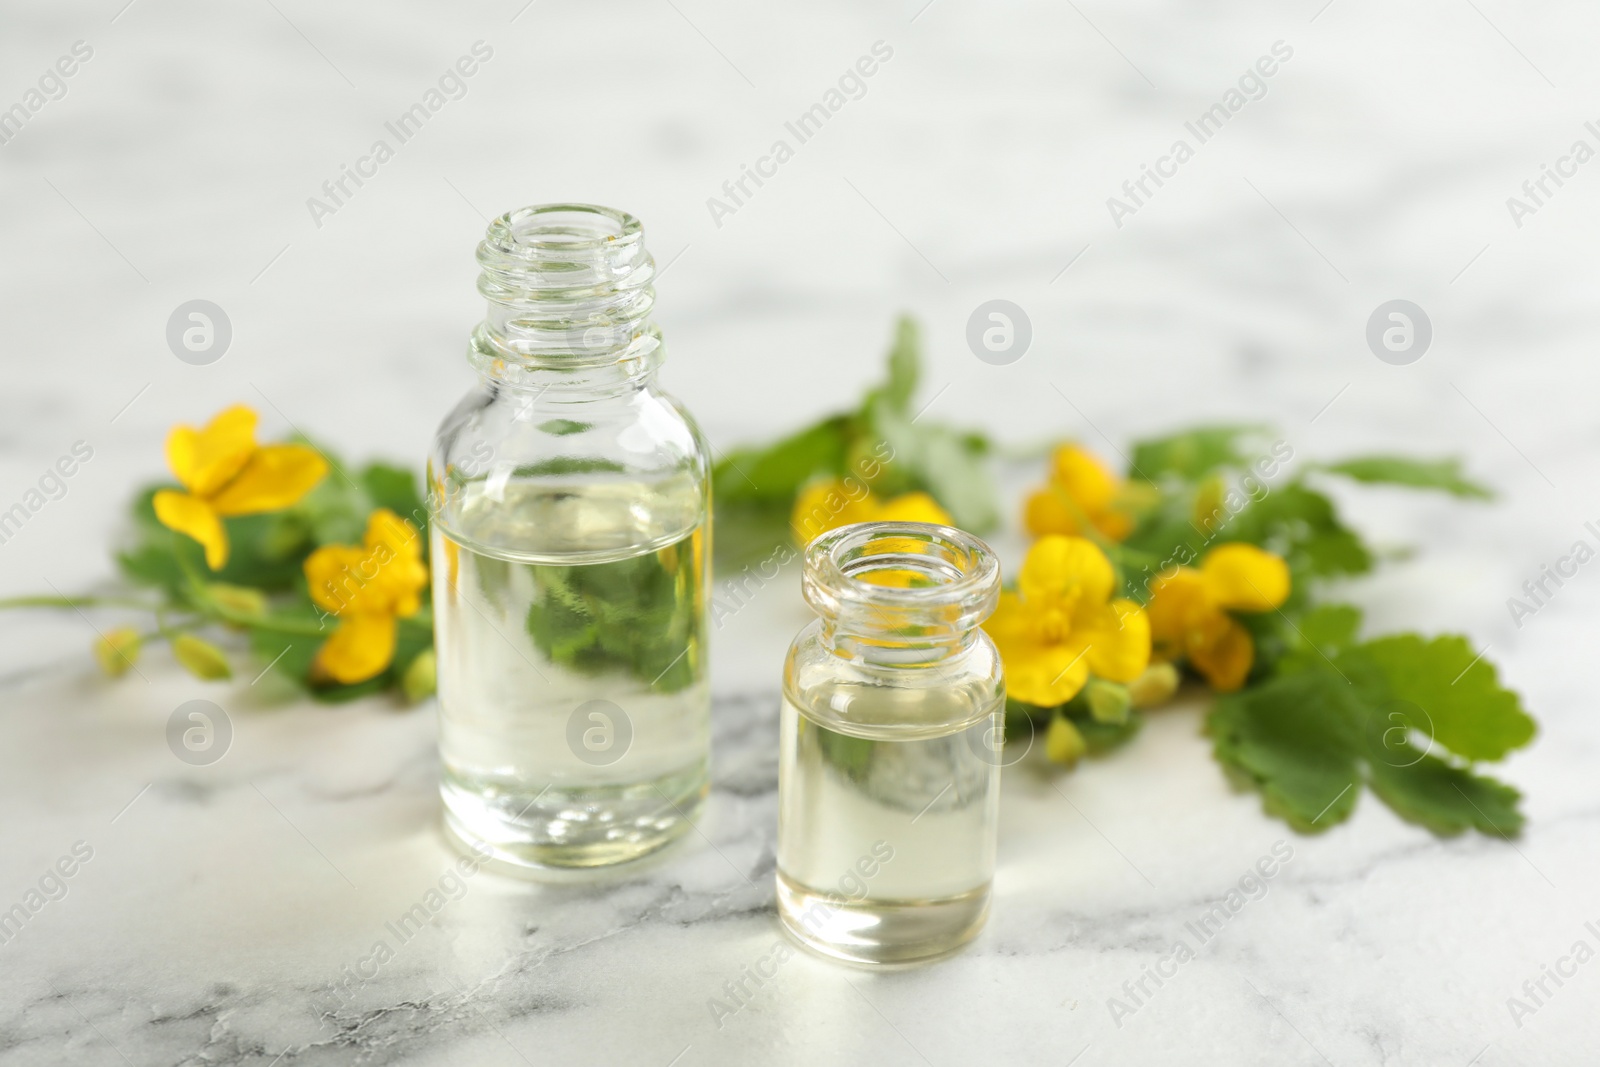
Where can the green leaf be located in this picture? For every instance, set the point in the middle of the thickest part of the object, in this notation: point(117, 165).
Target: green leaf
point(1442, 474)
point(1470, 714)
point(1195, 453)
point(1103, 737)
point(153, 563)
point(755, 487)
point(289, 653)
point(563, 427)
point(904, 368)
point(394, 488)
point(942, 461)
point(1308, 740)
point(1304, 527)
point(774, 474)
point(1313, 639)
point(1330, 627)
point(1292, 738)
point(558, 465)
point(744, 534)
point(1445, 798)
point(639, 615)
point(851, 755)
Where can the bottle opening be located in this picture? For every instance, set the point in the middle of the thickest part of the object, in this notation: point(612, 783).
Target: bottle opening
point(563, 229)
point(901, 576)
point(569, 287)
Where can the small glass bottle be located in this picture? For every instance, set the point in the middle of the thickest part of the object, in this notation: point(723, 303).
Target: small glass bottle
point(888, 766)
point(569, 500)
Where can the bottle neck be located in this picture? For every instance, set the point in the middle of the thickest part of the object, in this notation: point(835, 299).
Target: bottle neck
point(555, 381)
point(569, 300)
point(872, 647)
point(894, 594)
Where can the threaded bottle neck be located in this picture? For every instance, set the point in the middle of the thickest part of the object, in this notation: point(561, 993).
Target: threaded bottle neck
point(900, 593)
point(569, 290)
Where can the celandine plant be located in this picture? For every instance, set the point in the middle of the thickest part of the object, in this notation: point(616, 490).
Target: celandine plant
point(1205, 559)
point(325, 576)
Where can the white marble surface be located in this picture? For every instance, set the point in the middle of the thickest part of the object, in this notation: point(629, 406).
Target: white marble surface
point(220, 903)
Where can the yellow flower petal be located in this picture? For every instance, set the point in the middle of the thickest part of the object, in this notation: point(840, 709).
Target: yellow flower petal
point(1047, 511)
point(1011, 622)
point(1177, 600)
point(1066, 571)
point(1084, 477)
point(195, 518)
point(1119, 641)
point(1083, 494)
point(334, 577)
point(1053, 676)
point(359, 649)
point(1038, 671)
point(913, 507)
point(1113, 525)
point(1222, 652)
point(382, 576)
point(1242, 577)
point(386, 528)
point(204, 460)
point(396, 547)
point(276, 476)
point(827, 505)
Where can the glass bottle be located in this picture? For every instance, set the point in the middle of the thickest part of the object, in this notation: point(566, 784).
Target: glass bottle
point(888, 765)
point(569, 499)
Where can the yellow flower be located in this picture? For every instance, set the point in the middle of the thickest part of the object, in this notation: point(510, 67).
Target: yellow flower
point(1081, 489)
point(827, 505)
point(226, 473)
point(1062, 625)
point(368, 586)
point(1189, 610)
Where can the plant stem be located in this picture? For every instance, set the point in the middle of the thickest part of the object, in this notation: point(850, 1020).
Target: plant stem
point(72, 602)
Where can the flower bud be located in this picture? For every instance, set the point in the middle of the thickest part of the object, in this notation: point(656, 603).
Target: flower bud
point(1108, 701)
point(1209, 514)
point(117, 650)
point(237, 599)
point(421, 677)
point(1155, 686)
point(1063, 743)
point(201, 658)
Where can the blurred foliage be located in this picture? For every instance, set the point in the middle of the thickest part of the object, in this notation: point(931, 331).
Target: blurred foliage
point(883, 443)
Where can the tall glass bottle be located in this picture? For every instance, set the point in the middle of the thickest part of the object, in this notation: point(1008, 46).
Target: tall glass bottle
point(888, 764)
point(570, 547)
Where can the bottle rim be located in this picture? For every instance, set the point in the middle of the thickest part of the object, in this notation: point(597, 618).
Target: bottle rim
point(544, 231)
point(952, 579)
